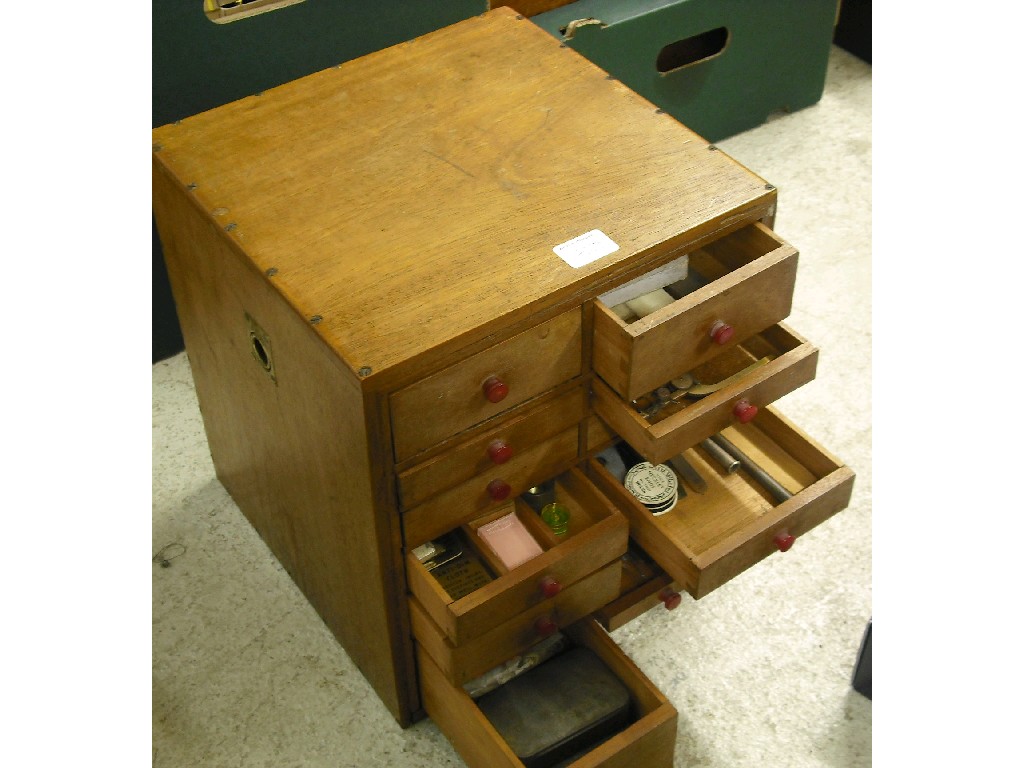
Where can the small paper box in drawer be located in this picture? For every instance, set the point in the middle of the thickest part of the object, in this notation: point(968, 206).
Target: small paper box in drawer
point(509, 540)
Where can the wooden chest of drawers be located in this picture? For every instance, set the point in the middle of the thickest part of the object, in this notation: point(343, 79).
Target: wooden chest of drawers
point(388, 275)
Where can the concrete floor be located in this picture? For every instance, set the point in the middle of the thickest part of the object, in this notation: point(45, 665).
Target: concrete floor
point(245, 673)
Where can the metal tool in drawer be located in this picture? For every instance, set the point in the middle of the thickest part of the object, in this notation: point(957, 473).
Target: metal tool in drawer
point(687, 387)
point(766, 481)
point(455, 566)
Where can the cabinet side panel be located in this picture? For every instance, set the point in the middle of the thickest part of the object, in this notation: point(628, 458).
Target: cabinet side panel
point(287, 428)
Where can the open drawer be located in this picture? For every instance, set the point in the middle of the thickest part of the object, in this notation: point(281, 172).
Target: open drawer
point(596, 537)
point(709, 538)
point(763, 368)
point(737, 286)
point(648, 740)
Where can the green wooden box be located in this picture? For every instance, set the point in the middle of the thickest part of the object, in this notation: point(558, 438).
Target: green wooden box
point(210, 52)
point(718, 66)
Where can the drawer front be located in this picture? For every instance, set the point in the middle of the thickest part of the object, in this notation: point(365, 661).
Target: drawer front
point(794, 363)
point(751, 275)
point(478, 457)
point(444, 404)
point(455, 506)
point(597, 536)
point(709, 538)
point(465, 661)
point(649, 741)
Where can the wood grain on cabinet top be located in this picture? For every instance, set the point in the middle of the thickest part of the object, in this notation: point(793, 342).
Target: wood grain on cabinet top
point(411, 199)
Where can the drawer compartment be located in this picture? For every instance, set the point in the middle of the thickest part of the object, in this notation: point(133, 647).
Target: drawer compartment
point(791, 362)
point(709, 538)
point(643, 585)
point(467, 393)
point(490, 490)
point(470, 659)
point(597, 535)
point(746, 281)
point(477, 456)
point(648, 741)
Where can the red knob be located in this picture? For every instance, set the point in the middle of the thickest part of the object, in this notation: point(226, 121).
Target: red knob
point(670, 598)
point(495, 389)
point(545, 626)
point(498, 490)
point(721, 332)
point(549, 587)
point(499, 451)
point(784, 540)
point(744, 411)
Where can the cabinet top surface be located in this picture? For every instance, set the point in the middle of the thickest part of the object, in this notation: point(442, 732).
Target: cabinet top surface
point(413, 198)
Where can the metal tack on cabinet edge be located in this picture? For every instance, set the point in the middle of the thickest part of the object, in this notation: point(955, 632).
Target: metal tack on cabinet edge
point(365, 370)
point(316, 319)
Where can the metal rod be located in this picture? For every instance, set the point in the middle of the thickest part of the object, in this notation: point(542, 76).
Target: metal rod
point(729, 464)
point(769, 483)
point(687, 471)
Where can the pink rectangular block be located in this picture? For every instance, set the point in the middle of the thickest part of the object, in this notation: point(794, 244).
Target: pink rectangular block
point(510, 541)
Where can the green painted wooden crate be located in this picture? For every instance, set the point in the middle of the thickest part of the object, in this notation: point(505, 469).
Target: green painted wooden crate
point(718, 66)
point(199, 63)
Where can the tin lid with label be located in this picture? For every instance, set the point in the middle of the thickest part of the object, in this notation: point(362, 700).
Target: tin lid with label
point(668, 506)
point(653, 485)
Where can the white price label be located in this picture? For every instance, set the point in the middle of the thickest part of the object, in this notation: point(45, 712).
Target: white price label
point(586, 248)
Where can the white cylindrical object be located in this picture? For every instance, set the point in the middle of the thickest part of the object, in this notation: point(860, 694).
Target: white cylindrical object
point(650, 302)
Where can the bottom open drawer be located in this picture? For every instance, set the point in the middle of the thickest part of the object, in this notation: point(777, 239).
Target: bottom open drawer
point(709, 538)
point(648, 740)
